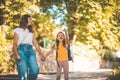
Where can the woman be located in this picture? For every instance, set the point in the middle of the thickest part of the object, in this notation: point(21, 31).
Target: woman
point(23, 43)
point(61, 53)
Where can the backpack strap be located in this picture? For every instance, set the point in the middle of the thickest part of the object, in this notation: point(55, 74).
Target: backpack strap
point(69, 54)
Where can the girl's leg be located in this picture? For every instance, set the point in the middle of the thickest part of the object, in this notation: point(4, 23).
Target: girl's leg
point(34, 69)
point(59, 68)
point(65, 69)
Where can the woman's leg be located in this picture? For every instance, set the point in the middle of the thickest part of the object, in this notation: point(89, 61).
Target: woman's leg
point(65, 69)
point(33, 66)
point(22, 66)
point(59, 69)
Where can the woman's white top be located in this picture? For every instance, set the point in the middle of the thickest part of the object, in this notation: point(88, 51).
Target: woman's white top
point(24, 36)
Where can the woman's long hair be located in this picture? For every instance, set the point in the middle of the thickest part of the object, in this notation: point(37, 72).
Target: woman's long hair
point(63, 42)
point(24, 23)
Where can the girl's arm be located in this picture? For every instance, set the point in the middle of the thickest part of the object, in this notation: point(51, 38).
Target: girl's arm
point(66, 36)
point(35, 43)
point(51, 51)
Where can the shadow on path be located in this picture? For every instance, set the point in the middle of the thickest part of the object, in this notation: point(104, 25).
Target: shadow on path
point(8, 77)
point(101, 74)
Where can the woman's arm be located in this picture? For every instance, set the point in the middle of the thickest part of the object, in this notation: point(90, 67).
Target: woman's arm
point(35, 43)
point(15, 41)
point(50, 51)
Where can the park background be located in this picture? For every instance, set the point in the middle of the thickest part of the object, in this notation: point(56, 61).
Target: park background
point(93, 26)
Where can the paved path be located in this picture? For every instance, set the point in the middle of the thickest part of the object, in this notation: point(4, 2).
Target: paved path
point(101, 74)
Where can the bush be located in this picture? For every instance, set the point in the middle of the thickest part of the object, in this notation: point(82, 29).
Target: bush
point(6, 63)
point(115, 74)
point(107, 56)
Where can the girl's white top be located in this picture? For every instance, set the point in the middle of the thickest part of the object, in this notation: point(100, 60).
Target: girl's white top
point(24, 36)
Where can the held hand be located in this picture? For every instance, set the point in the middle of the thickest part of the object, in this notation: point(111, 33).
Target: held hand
point(45, 56)
point(42, 58)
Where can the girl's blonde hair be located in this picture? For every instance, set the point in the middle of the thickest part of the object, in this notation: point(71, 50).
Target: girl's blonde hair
point(63, 42)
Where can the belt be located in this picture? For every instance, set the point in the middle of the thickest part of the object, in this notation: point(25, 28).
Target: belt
point(28, 45)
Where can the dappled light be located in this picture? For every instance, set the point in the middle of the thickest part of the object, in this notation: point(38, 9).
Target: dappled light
point(93, 27)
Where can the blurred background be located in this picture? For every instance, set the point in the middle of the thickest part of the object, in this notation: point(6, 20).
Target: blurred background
point(93, 27)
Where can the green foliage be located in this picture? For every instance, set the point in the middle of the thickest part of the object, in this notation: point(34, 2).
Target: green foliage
point(95, 22)
point(115, 74)
point(41, 21)
point(6, 63)
point(91, 23)
point(43, 27)
point(107, 56)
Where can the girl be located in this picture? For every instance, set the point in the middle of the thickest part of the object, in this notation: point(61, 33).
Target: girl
point(23, 49)
point(62, 54)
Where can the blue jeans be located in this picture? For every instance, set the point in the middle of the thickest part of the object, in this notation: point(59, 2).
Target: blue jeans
point(27, 67)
